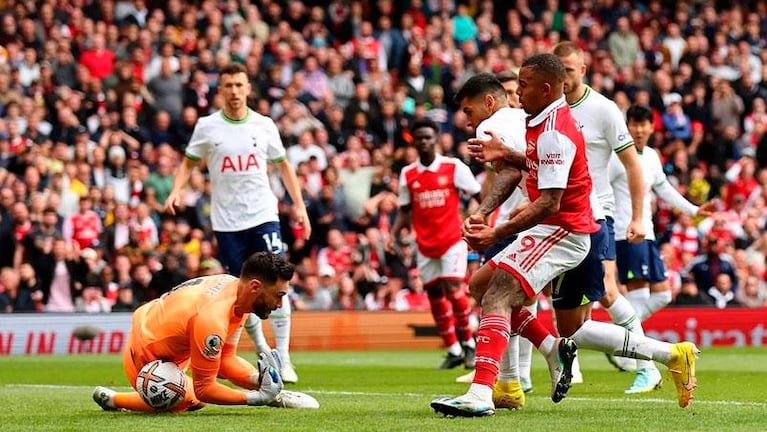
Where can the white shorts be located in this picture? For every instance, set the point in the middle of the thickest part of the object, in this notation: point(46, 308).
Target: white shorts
point(541, 253)
point(451, 266)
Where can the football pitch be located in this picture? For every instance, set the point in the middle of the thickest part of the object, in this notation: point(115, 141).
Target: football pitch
point(391, 391)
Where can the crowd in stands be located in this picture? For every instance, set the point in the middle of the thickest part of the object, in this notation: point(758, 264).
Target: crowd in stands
point(99, 98)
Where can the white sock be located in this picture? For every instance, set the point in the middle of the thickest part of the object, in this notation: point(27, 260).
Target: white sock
point(612, 339)
point(623, 314)
point(481, 391)
point(469, 343)
point(455, 349)
point(548, 345)
point(638, 299)
point(657, 300)
point(254, 327)
point(526, 350)
point(281, 326)
point(509, 370)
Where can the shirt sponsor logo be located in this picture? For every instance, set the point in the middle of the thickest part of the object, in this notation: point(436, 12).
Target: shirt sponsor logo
point(432, 198)
point(552, 159)
point(239, 163)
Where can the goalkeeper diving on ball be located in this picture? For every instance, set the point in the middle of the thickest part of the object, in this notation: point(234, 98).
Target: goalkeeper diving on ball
point(197, 326)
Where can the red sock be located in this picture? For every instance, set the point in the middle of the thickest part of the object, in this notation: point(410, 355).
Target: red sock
point(524, 323)
point(492, 339)
point(443, 318)
point(462, 312)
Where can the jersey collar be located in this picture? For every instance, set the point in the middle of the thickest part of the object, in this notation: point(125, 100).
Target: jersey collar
point(433, 166)
point(535, 121)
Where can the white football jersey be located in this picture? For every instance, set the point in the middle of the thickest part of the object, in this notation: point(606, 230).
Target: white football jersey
point(604, 128)
point(509, 124)
point(652, 175)
point(237, 153)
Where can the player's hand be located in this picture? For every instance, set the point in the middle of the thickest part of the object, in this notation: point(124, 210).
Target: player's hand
point(173, 201)
point(480, 237)
point(707, 209)
point(303, 218)
point(269, 380)
point(475, 219)
point(635, 232)
point(487, 150)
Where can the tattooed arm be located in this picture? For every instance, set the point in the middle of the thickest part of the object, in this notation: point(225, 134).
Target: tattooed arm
point(507, 177)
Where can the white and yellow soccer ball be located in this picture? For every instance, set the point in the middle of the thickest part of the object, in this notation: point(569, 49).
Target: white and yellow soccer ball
point(161, 384)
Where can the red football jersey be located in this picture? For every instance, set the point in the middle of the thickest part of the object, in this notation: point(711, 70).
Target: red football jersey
point(556, 159)
point(433, 192)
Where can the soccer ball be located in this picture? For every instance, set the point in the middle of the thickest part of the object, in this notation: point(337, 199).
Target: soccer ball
point(161, 384)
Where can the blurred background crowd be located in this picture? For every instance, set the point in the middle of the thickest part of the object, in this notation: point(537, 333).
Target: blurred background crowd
point(99, 98)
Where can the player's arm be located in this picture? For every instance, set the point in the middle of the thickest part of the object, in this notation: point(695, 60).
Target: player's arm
point(196, 150)
point(630, 160)
point(290, 180)
point(206, 345)
point(404, 217)
point(507, 178)
point(620, 140)
point(180, 180)
point(552, 181)
point(493, 149)
point(464, 180)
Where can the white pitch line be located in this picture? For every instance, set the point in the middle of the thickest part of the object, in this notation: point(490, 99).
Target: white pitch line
point(423, 395)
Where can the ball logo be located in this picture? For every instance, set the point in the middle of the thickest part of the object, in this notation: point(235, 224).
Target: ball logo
point(622, 136)
point(213, 345)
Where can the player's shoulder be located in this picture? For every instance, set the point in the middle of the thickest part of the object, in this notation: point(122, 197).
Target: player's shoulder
point(600, 103)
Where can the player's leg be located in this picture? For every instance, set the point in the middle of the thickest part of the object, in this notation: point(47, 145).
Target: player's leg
point(633, 270)
point(526, 351)
point(268, 237)
point(441, 310)
point(530, 263)
point(647, 300)
point(507, 391)
point(453, 276)
point(618, 307)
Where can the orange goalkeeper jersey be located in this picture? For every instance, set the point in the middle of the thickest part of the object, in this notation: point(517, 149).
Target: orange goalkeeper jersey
point(195, 321)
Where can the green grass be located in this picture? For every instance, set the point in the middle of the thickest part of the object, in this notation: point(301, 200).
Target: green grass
point(390, 391)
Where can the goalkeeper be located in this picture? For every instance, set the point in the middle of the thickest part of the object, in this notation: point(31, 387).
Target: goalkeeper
point(197, 325)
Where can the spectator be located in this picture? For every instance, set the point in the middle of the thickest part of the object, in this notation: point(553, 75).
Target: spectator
point(311, 296)
point(167, 91)
point(753, 294)
point(348, 299)
point(413, 298)
point(705, 268)
point(722, 292)
point(690, 295)
point(59, 272)
point(624, 44)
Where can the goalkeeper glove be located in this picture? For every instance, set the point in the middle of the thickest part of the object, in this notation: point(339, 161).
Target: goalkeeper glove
point(270, 383)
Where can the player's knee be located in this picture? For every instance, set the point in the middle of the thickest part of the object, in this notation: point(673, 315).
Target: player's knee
point(477, 288)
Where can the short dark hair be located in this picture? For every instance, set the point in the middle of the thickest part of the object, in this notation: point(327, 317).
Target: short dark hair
point(549, 65)
point(233, 69)
point(639, 113)
point(480, 84)
point(424, 122)
point(506, 76)
point(267, 267)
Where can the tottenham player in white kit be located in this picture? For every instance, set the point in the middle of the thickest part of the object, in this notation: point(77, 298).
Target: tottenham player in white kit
point(640, 267)
point(605, 130)
point(237, 144)
point(484, 100)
